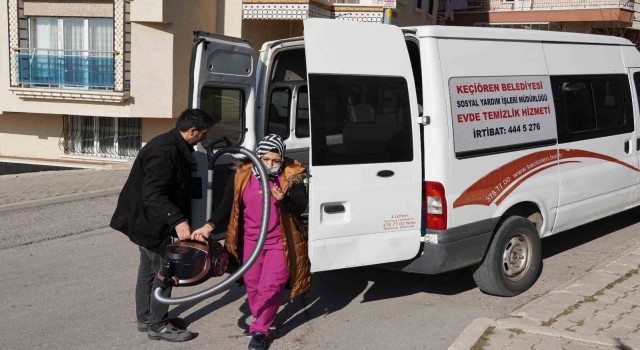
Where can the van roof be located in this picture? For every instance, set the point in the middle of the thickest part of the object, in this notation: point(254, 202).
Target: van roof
point(485, 33)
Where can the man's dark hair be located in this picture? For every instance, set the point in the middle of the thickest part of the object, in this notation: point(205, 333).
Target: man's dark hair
point(194, 118)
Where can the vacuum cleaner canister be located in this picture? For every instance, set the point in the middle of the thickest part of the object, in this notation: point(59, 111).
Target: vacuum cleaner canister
point(187, 263)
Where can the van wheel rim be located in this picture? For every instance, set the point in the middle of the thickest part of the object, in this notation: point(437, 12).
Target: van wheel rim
point(516, 258)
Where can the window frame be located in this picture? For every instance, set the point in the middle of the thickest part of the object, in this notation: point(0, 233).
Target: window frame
point(564, 135)
point(321, 154)
point(75, 125)
point(242, 129)
point(290, 90)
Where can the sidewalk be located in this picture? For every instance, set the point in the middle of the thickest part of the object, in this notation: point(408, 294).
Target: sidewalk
point(598, 310)
point(19, 191)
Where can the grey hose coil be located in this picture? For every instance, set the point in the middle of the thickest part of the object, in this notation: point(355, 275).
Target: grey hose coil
point(266, 195)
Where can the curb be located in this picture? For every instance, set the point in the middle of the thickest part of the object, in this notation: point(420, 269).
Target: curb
point(471, 334)
point(518, 319)
point(59, 199)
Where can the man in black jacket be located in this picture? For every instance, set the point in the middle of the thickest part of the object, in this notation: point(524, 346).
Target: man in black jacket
point(155, 204)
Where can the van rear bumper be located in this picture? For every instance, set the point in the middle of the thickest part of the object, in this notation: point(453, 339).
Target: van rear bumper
point(457, 247)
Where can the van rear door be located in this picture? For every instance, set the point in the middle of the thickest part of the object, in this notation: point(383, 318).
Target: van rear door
point(223, 83)
point(365, 163)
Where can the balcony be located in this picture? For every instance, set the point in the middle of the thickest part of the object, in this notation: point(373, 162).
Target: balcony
point(532, 5)
point(474, 12)
point(350, 10)
point(64, 74)
point(65, 69)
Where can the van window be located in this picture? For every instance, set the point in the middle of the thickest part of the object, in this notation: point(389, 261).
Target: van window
point(278, 113)
point(228, 103)
point(359, 119)
point(302, 113)
point(592, 106)
point(414, 57)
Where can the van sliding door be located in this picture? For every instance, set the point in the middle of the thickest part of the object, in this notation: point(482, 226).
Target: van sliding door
point(365, 162)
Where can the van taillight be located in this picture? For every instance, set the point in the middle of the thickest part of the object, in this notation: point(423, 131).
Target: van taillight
point(435, 205)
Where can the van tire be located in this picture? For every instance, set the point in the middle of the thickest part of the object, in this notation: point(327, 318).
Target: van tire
point(502, 275)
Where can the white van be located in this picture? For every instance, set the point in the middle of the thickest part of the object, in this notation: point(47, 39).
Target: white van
point(433, 148)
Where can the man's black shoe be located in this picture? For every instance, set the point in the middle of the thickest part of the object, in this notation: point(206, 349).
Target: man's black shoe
point(168, 332)
point(178, 322)
point(258, 341)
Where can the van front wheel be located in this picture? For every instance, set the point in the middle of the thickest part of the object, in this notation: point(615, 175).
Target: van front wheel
point(513, 262)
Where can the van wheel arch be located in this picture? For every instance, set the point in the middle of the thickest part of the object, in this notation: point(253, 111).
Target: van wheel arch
point(527, 210)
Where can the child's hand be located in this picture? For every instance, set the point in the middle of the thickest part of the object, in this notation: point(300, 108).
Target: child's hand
point(276, 192)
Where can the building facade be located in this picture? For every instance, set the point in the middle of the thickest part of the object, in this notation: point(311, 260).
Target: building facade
point(87, 82)
point(608, 17)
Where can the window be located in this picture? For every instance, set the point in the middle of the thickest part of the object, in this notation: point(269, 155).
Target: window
point(592, 106)
point(302, 113)
point(68, 53)
point(359, 119)
point(419, 4)
point(102, 136)
point(228, 103)
point(278, 112)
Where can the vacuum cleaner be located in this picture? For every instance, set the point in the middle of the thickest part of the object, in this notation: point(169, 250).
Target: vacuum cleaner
point(189, 262)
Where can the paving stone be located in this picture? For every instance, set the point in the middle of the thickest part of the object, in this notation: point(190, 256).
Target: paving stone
point(613, 312)
point(629, 286)
point(525, 341)
point(618, 332)
point(547, 343)
point(608, 298)
point(564, 324)
point(631, 260)
point(592, 282)
point(580, 315)
point(576, 345)
point(615, 267)
point(629, 322)
point(550, 306)
point(632, 340)
point(632, 298)
point(499, 339)
point(635, 313)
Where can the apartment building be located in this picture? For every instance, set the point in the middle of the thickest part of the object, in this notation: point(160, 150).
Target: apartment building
point(87, 82)
point(608, 17)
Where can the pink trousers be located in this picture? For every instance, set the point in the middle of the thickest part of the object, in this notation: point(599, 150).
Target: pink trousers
point(265, 281)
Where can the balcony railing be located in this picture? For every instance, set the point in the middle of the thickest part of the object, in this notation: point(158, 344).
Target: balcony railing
point(65, 69)
point(527, 5)
point(357, 2)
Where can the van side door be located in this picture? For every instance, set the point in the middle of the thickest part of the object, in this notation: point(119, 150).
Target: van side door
point(365, 164)
point(634, 75)
point(598, 167)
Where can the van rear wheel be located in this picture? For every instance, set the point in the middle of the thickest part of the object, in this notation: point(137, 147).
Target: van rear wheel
point(513, 262)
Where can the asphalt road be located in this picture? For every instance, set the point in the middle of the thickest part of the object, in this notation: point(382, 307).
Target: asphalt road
point(67, 283)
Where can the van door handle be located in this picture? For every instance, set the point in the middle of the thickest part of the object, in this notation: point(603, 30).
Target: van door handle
point(627, 146)
point(334, 209)
point(385, 173)
point(637, 144)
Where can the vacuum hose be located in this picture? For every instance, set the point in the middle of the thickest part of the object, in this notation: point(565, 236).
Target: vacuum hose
point(266, 195)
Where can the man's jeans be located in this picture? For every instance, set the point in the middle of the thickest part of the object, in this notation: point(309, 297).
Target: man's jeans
point(148, 309)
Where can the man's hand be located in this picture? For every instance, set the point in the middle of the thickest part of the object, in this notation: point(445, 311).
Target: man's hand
point(203, 232)
point(277, 193)
point(183, 230)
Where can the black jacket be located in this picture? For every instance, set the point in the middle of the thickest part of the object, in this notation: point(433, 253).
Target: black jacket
point(157, 194)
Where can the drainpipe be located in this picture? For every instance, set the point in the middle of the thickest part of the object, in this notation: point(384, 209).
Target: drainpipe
point(386, 16)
